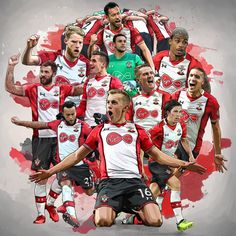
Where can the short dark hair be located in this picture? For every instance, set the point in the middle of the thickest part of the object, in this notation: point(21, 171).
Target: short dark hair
point(68, 104)
point(170, 105)
point(126, 97)
point(180, 31)
point(118, 35)
point(50, 63)
point(103, 56)
point(109, 6)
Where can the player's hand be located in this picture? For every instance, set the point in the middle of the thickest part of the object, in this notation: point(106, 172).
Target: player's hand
point(194, 167)
point(192, 159)
point(15, 120)
point(33, 41)
point(14, 60)
point(93, 39)
point(220, 163)
point(39, 176)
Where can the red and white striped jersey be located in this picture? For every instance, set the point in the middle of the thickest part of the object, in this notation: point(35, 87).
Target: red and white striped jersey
point(67, 72)
point(166, 137)
point(147, 110)
point(196, 113)
point(69, 137)
point(95, 96)
point(105, 38)
point(119, 149)
point(173, 74)
point(46, 103)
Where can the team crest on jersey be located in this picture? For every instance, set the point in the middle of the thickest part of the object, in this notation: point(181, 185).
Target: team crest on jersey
point(199, 106)
point(181, 70)
point(104, 198)
point(128, 64)
point(155, 101)
point(64, 174)
point(168, 171)
point(179, 132)
point(76, 128)
point(81, 71)
point(37, 162)
point(56, 93)
point(104, 83)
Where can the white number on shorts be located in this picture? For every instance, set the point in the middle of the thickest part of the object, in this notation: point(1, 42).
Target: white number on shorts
point(146, 193)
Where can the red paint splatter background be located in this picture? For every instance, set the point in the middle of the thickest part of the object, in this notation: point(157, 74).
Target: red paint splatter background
point(191, 183)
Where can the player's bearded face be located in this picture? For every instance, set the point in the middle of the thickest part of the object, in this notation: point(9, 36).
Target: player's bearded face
point(46, 75)
point(74, 45)
point(70, 115)
point(114, 17)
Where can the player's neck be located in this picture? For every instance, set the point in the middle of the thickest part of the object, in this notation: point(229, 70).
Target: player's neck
point(147, 92)
point(170, 122)
point(101, 73)
point(119, 55)
point(194, 94)
point(175, 57)
point(69, 58)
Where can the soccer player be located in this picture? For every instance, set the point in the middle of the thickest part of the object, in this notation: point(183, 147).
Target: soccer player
point(104, 37)
point(119, 144)
point(147, 107)
point(174, 65)
point(96, 88)
point(123, 63)
point(198, 107)
point(71, 134)
point(73, 67)
point(166, 136)
point(46, 101)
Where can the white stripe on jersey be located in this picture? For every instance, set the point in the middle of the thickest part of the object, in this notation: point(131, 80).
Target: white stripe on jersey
point(48, 108)
point(147, 110)
point(97, 91)
point(171, 139)
point(173, 77)
point(68, 137)
point(193, 112)
point(120, 150)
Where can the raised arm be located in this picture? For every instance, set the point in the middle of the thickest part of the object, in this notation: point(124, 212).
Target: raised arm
point(10, 86)
point(69, 161)
point(147, 54)
point(27, 57)
point(219, 158)
point(29, 124)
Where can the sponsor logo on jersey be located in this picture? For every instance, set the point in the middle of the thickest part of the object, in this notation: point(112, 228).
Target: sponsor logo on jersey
point(128, 64)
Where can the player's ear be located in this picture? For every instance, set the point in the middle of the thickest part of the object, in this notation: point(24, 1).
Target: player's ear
point(65, 40)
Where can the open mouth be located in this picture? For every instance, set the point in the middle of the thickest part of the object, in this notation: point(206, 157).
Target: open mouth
point(191, 84)
point(76, 51)
point(110, 113)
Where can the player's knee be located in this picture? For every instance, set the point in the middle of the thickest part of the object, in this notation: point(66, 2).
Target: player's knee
point(102, 222)
point(154, 221)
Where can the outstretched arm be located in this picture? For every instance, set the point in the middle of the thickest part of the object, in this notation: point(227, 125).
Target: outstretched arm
point(29, 124)
point(69, 161)
point(219, 158)
point(187, 148)
point(27, 57)
point(164, 159)
point(10, 86)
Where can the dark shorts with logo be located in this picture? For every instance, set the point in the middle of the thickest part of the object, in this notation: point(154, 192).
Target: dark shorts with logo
point(182, 154)
point(123, 194)
point(81, 175)
point(44, 152)
point(160, 174)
